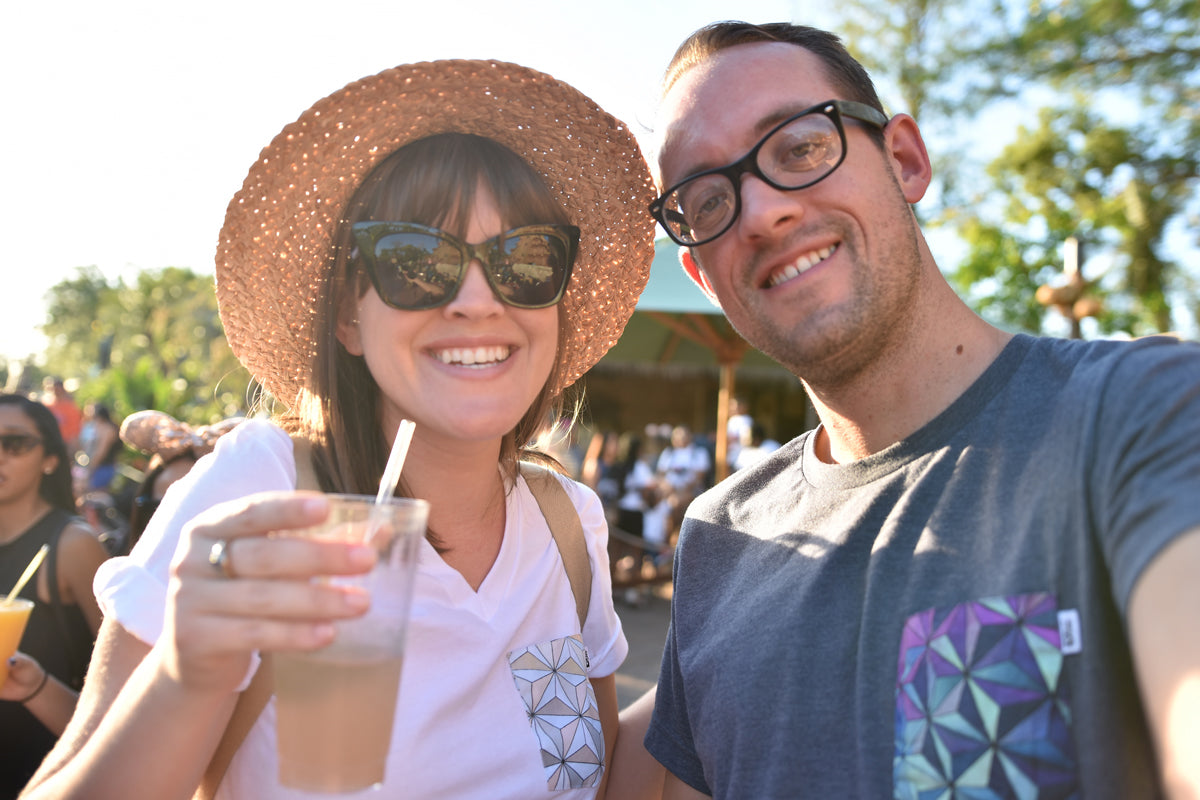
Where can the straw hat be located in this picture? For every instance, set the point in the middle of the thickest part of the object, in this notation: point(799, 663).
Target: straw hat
point(273, 254)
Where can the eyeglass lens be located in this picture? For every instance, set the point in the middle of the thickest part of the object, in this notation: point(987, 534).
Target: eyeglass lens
point(16, 444)
point(800, 153)
point(420, 268)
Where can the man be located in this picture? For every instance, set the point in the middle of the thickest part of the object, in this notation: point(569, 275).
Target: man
point(977, 576)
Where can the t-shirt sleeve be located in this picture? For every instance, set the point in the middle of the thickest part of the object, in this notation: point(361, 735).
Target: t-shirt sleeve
point(255, 456)
point(1146, 467)
point(602, 632)
point(669, 738)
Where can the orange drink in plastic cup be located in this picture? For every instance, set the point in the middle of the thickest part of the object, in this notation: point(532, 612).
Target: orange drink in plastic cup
point(335, 706)
point(13, 616)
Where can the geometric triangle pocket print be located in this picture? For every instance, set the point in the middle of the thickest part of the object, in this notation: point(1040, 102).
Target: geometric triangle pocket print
point(982, 707)
point(551, 679)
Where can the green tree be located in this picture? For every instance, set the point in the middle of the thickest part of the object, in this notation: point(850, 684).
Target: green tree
point(913, 50)
point(1118, 166)
point(1120, 179)
point(156, 343)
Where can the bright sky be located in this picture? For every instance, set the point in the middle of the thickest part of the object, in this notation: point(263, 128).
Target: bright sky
point(130, 123)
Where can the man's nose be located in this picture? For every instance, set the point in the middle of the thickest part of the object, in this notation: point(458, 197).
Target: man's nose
point(767, 211)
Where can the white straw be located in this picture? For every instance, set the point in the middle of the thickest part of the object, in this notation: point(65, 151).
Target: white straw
point(27, 574)
point(395, 462)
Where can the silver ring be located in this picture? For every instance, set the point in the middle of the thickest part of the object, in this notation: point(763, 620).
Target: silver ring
point(219, 558)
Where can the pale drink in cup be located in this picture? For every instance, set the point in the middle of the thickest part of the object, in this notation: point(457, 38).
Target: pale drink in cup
point(335, 706)
point(13, 616)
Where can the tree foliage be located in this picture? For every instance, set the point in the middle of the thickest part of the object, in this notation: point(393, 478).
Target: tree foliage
point(155, 343)
point(1109, 158)
point(1112, 187)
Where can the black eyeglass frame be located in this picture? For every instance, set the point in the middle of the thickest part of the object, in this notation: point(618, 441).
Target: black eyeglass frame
point(367, 234)
point(833, 109)
point(28, 441)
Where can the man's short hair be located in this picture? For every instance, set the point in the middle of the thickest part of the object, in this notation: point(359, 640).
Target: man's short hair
point(842, 69)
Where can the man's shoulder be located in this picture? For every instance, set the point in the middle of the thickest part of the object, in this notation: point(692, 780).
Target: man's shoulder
point(763, 478)
point(1118, 363)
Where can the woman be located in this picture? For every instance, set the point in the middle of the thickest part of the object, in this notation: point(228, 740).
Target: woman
point(101, 447)
point(174, 448)
point(402, 251)
point(37, 508)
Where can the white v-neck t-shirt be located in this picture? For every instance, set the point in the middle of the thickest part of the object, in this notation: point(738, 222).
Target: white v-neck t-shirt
point(464, 726)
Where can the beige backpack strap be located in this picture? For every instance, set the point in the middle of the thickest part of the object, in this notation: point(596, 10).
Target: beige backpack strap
point(253, 699)
point(567, 531)
point(306, 478)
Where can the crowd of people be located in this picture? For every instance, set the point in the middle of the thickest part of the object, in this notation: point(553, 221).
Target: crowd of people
point(975, 576)
point(645, 481)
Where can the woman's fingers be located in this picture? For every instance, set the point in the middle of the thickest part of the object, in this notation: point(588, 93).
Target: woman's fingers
point(235, 540)
point(260, 514)
point(256, 598)
point(242, 581)
point(211, 636)
point(275, 556)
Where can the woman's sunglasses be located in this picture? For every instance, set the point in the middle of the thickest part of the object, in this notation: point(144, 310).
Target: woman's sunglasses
point(18, 444)
point(415, 267)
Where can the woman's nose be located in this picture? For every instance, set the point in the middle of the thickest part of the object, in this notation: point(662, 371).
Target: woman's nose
point(475, 295)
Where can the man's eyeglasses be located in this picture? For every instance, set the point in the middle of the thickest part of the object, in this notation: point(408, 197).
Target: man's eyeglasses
point(415, 267)
point(802, 150)
point(18, 444)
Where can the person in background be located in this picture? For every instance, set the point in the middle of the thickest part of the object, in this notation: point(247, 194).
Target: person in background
point(174, 448)
point(737, 429)
point(100, 443)
point(755, 446)
point(977, 576)
point(639, 485)
point(600, 470)
point(452, 243)
point(683, 467)
point(636, 509)
point(62, 404)
point(37, 507)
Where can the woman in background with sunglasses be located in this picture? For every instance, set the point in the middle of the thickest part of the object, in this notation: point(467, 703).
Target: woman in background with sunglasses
point(37, 507)
point(453, 243)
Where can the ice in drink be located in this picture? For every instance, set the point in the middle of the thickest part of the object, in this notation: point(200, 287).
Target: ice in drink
point(334, 719)
point(334, 707)
point(13, 616)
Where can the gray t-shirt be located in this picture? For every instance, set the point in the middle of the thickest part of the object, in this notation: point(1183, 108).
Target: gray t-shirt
point(948, 612)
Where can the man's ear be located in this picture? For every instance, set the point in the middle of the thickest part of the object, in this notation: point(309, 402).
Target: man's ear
point(693, 270)
point(906, 152)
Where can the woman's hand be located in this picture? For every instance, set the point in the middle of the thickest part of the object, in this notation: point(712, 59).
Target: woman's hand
point(24, 677)
point(262, 598)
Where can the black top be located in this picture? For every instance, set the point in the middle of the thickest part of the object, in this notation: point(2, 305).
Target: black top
point(57, 635)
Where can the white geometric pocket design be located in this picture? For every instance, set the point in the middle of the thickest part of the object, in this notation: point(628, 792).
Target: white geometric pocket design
point(551, 678)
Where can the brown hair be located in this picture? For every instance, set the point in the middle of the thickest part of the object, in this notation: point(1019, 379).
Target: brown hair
point(847, 75)
point(432, 181)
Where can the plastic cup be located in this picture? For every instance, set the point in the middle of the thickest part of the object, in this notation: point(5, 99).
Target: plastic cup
point(14, 614)
point(335, 706)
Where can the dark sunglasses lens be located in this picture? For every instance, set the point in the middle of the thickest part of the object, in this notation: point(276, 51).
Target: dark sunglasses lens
point(16, 444)
point(532, 269)
point(416, 270)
